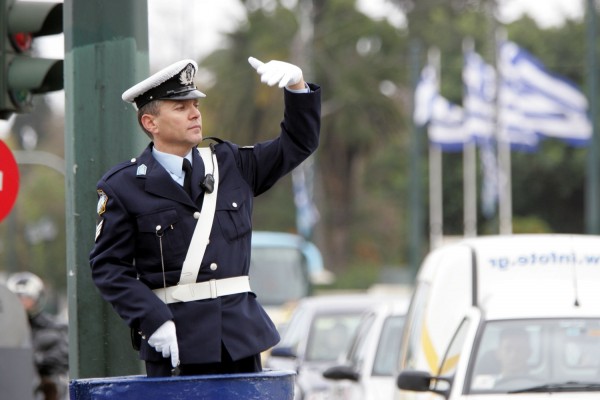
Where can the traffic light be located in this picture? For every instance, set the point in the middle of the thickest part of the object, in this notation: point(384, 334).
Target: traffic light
point(23, 74)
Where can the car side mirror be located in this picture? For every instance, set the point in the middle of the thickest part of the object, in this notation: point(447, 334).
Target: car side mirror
point(341, 372)
point(283, 351)
point(421, 381)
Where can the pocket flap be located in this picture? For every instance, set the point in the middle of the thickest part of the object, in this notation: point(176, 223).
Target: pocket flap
point(163, 218)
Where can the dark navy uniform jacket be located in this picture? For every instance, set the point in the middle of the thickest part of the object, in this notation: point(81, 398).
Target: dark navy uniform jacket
point(125, 259)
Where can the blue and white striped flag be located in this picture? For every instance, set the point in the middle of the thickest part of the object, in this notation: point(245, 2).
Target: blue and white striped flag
point(479, 80)
point(446, 129)
point(425, 92)
point(445, 118)
point(479, 102)
point(534, 103)
point(307, 214)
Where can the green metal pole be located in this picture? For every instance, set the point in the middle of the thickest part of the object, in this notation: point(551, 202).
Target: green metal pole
point(415, 214)
point(106, 51)
point(592, 197)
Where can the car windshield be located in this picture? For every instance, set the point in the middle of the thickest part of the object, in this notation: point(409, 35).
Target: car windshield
point(330, 335)
point(278, 275)
point(388, 349)
point(545, 355)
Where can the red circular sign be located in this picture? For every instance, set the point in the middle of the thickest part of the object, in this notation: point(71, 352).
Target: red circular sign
point(9, 180)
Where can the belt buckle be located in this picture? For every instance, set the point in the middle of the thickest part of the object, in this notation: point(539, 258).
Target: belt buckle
point(213, 288)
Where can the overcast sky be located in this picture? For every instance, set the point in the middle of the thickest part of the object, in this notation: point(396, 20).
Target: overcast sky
point(192, 29)
point(208, 19)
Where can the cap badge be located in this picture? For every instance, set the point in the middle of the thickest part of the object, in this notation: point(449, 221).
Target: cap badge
point(187, 75)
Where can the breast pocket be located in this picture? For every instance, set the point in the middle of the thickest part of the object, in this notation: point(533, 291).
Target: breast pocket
point(160, 223)
point(234, 209)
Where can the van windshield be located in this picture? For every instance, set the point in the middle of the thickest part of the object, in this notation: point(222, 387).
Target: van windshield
point(278, 275)
point(545, 355)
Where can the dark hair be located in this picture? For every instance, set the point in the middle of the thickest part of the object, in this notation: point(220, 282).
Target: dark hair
point(152, 108)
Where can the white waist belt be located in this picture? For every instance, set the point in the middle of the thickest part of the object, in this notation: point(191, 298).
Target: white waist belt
point(204, 290)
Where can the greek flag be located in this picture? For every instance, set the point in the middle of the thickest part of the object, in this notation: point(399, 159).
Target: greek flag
point(446, 127)
point(479, 102)
point(534, 103)
point(445, 119)
point(425, 92)
point(307, 214)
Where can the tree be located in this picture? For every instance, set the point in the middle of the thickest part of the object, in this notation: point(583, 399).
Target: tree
point(362, 157)
point(352, 56)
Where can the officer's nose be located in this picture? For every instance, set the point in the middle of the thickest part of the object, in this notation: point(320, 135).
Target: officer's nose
point(195, 113)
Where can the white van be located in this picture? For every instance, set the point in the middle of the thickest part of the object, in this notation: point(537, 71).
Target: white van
point(513, 314)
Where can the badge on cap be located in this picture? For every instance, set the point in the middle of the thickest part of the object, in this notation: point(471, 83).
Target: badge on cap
point(187, 75)
point(175, 82)
point(102, 200)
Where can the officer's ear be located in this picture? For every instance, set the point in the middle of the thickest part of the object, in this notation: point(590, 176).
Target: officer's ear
point(149, 123)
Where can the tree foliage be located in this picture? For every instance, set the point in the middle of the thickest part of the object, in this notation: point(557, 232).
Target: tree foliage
point(362, 166)
point(351, 56)
point(362, 162)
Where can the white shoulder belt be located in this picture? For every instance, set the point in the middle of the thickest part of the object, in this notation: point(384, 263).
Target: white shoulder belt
point(188, 289)
point(195, 253)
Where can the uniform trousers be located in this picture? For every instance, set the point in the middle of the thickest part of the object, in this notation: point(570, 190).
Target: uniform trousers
point(226, 366)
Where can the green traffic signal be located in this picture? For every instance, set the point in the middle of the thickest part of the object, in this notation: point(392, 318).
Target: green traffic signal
point(22, 74)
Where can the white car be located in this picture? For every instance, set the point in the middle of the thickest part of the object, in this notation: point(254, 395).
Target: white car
point(368, 370)
point(317, 335)
point(505, 317)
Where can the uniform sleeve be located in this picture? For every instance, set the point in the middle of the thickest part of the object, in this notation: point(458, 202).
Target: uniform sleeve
point(268, 161)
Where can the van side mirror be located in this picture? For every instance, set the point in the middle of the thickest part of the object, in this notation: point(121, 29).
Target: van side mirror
point(283, 351)
point(341, 372)
point(421, 381)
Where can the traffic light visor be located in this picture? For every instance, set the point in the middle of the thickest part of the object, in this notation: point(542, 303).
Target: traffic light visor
point(38, 75)
point(35, 17)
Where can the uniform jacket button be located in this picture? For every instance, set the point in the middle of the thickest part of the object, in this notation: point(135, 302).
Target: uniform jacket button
point(213, 266)
point(234, 204)
point(197, 215)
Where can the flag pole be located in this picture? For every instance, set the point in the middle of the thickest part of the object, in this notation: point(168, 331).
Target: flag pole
point(436, 221)
point(504, 156)
point(469, 172)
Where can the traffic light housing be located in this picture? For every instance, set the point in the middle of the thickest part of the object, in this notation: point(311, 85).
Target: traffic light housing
point(23, 74)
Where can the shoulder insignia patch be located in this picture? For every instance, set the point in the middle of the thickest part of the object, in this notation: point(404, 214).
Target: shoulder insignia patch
point(102, 200)
point(141, 170)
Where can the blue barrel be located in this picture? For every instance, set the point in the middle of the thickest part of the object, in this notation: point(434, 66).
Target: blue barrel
point(267, 385)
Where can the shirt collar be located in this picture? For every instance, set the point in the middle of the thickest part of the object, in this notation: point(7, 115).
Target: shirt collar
point(171, 162)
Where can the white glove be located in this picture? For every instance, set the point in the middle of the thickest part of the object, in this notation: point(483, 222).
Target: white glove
point(276, 71)
point(164, 340)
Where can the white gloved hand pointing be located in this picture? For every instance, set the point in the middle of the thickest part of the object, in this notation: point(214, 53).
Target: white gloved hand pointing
point(285, 74)
point(164, 340)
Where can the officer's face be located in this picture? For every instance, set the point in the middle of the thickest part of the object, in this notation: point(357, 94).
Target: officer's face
point(177, 127)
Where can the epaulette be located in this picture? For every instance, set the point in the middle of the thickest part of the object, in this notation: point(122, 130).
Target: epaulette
point(119, 167)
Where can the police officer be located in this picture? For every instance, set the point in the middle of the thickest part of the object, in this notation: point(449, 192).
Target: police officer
point(174, 265)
